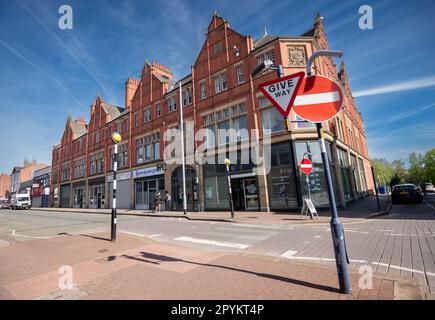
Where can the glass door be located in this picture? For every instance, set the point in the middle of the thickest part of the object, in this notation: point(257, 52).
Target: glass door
point(251, 194)
point(152, 190)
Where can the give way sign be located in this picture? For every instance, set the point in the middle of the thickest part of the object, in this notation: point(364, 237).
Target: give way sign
point(318, 99)
point(282, 92)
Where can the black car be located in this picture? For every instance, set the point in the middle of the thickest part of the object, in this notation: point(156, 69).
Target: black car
point(406, 193)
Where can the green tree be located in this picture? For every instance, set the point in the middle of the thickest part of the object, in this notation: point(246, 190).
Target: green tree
point(416, 172)
point(383, 170)
point(429, 166)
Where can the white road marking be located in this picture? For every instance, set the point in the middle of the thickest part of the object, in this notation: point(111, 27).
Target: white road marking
point(155, 235)
point(213, 242)
point(403, 268)
point(355, 231)
point(13, 233)
point(317, 236)
point(290, 254)
point(142, 235)
point(315, 98)
point(134, 234)
point(385, 230)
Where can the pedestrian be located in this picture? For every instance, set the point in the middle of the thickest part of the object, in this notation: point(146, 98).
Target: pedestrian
point(157, 201)
point(167, 201)
point(180, 201)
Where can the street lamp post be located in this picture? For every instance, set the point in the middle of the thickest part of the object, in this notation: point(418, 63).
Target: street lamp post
point(116, 139)
point(230, 193)
point(341, 258)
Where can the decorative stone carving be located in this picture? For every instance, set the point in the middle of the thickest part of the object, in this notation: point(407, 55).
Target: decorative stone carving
point(297, 56)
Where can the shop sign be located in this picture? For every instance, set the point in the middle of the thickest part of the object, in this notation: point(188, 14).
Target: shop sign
point(120, 176)
point(148, 172)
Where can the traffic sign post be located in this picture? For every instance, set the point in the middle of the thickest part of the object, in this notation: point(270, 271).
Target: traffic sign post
point(306, 167)
point(330, 101)
point(315, 99)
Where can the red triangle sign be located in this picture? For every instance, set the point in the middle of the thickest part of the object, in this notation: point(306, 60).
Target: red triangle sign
point(282, 92)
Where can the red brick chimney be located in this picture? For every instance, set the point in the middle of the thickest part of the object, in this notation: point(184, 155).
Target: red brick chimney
point(81, 120)
point(130, 88)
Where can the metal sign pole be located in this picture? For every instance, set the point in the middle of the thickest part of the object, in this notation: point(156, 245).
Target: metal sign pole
point(115, 168)
point(182, 151)
point(337, 231)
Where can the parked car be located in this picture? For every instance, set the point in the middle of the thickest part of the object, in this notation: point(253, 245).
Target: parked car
point(20, 201)
point(428, 186)
point(5, 204)
point(406, 193)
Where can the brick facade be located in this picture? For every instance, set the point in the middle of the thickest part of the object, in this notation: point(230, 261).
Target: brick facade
point(5, 181)
point(220, 80)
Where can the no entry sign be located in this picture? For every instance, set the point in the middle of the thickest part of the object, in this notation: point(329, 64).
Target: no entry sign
point(282, 92)
point(306, 166)
point(318, 99)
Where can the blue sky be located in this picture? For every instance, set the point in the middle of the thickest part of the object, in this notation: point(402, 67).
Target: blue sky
point(47, 74)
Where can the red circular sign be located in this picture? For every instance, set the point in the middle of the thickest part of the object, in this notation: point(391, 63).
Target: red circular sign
point(306, 166)
point(319, 99)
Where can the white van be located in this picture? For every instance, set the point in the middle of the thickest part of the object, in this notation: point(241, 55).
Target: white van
point(20, 201)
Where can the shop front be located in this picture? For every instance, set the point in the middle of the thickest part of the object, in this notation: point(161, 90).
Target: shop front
point(191, 189)
point(281, 180)
point(122, 190)
point(244, 185)
point(79, 195)
point(147, 182)
point(65, 195)
point(315, 183)
point(96, 191)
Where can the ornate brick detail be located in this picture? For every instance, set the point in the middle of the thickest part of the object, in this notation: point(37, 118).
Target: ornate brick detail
point(296, 56)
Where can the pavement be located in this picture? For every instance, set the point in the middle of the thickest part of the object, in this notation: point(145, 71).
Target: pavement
point(397, 248)
point(362, 209)
point(139, 268)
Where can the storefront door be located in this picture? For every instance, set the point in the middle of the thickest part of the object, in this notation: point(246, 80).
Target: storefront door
point(245, 194)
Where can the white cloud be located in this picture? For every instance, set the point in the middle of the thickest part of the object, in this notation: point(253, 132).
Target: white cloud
point(397, 87)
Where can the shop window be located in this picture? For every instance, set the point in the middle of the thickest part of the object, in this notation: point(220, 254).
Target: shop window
point(316, 180)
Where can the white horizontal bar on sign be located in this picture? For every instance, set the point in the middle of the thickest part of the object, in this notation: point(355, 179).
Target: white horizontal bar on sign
point(306, 165)
point(315, 98)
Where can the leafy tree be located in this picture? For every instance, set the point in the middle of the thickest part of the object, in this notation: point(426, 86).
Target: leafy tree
point(429, 166)
point(416, 172)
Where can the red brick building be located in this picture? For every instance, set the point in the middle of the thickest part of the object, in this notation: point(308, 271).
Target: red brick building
point(218, 94)
point(5, 182)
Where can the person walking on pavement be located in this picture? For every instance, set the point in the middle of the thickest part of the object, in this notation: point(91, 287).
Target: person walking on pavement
point(167, 201)
point(157, 201)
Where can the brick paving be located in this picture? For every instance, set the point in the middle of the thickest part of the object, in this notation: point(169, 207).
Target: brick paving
point(139, 268)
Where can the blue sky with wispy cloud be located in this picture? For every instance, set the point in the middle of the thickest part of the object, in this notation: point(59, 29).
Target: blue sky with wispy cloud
point(47, 73)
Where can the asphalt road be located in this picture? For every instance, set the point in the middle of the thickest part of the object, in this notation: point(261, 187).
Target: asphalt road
point(401, 243)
